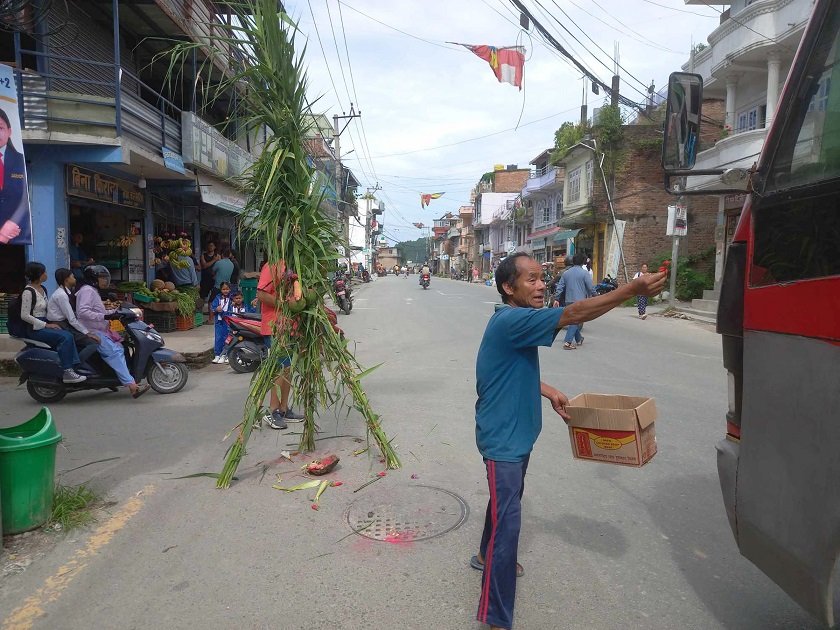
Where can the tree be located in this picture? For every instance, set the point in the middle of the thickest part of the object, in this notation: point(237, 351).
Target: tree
point(565, 138)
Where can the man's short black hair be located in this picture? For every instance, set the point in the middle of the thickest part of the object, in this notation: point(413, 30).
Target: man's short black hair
point(507, 273)
point(579, 259)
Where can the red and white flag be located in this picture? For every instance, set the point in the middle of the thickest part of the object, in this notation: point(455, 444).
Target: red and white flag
point(508, 62)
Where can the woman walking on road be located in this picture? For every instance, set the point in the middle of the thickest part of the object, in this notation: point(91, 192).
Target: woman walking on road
point(206, 262)
point(641, 300)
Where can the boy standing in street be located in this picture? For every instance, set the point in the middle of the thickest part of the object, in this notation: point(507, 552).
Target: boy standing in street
point(509, 411)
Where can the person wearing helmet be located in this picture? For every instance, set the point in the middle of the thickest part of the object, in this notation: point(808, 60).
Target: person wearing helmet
point(91, 313)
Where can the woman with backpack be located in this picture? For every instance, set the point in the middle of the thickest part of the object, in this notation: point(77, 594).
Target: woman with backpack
point(33, 316)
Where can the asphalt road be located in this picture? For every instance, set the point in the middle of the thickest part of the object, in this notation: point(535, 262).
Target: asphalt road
point(603, 546)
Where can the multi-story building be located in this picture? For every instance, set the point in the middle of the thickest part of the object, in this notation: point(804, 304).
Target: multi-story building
point(543, 196)
point(745, 65)
point(495, 224)
point(466, 241)
point(117, 148)
point(636, 233)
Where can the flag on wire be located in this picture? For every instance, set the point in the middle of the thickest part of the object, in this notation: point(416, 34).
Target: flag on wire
point(507, 62)
point(426, 198)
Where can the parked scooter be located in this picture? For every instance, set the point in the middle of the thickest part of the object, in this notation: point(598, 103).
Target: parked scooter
point(425, 279)
point(606, 285)
point(145, 357)
point(343, 294)
point(244, 345)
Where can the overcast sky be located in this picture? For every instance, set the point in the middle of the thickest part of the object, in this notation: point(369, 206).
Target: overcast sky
point(417, 96)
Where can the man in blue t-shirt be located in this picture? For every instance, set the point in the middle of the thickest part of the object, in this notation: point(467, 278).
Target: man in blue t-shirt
point(508, 413)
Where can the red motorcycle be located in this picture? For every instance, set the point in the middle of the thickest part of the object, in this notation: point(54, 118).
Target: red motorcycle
point(424, 281)
point(343, 295)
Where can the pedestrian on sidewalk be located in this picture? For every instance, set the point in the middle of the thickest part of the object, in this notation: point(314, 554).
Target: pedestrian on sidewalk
point(221, 306)
point(475, 274)
point(641, 300)
point(508, 413)
point(208, 259)
point(275, 283)
point(574, 285)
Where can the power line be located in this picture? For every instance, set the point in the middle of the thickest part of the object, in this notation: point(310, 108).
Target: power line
point(665, 6)
point(394, 28)
point(645, 41)
point(489, 135)
point(630, 74)
point(323, 52)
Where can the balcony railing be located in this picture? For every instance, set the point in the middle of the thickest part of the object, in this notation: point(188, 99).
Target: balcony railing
point(95, 98)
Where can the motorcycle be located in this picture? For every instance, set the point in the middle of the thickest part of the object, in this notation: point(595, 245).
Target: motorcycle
point(145, 356)
point(425, 279)
point(365, 276)
point(343, 294)
point(606, 285)
point(244, 344)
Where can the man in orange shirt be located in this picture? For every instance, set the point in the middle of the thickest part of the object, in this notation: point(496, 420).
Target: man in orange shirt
point(267, 293)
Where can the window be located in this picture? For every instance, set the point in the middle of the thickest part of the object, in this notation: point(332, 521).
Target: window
point(558, 209)
point(819, 102)
point(751, 118)
point(589, 181)
point(574, 185)
point(546, 213)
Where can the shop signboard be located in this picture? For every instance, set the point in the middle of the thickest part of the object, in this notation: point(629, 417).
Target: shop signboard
point(91, 185)
point(614, 249)
point(216, 193)
point(15, 215)
point(206, 148)
point(173, 160)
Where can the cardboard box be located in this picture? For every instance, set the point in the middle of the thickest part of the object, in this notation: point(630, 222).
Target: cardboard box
point(613, 429)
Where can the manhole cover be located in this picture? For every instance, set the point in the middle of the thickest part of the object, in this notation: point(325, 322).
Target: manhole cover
point(416, 513)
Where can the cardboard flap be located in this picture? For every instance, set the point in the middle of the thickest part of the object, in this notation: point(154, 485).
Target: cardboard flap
point(611, 412)
point(646, 413)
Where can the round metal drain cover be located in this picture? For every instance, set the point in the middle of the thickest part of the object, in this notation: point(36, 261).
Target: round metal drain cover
point(409, 514)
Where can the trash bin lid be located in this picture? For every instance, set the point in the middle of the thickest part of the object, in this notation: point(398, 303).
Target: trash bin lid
point(36, 432)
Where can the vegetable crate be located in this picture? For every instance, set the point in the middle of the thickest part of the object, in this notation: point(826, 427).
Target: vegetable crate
point(184, 323)
point(163, 322)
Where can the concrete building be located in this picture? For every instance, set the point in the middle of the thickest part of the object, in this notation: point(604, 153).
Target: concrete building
point(745, 65)
point(495, 224)
point(115, 151)
point(543, 196)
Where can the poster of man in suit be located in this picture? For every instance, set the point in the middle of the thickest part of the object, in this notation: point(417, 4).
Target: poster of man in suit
point(15, 217)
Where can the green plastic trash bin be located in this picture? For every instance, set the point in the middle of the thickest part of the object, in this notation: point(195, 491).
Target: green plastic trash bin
point(27, 472)
point(248, 286)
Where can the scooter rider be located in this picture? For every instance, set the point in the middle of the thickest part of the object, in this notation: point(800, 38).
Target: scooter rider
point(425, 271)
point(91, 313)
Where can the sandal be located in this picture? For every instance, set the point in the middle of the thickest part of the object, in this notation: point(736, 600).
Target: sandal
point(141, 389)
point(569, 346)
point(475, 563)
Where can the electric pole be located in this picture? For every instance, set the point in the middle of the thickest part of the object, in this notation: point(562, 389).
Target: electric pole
point(368, 218)
point(345, 225)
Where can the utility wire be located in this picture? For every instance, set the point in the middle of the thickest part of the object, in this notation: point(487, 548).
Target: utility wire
point(645, 41)
point(626, 71)
point(394, 28)
point(665, 6)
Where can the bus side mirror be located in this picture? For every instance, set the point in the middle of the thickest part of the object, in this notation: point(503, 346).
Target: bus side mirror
point(682, 121)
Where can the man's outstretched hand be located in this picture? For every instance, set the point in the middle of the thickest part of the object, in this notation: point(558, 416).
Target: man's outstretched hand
point(649, 284)
point(557, 399)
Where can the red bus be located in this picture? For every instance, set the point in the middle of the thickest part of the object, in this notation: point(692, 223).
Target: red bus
point(779, 318)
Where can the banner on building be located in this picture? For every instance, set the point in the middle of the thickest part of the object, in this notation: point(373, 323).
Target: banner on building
point(614, 250)
point(15, 215)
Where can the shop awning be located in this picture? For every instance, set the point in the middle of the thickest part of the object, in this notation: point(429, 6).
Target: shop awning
point(542, 233)
point(566, 234)
point(217, 193)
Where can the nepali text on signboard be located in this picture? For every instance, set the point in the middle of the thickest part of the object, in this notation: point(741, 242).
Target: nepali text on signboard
point(90, 185)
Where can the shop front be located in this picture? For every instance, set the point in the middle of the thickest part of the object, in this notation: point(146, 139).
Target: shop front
point(105, 223)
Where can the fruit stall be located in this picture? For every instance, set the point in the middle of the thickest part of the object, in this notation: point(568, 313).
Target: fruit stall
point(164, 306)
